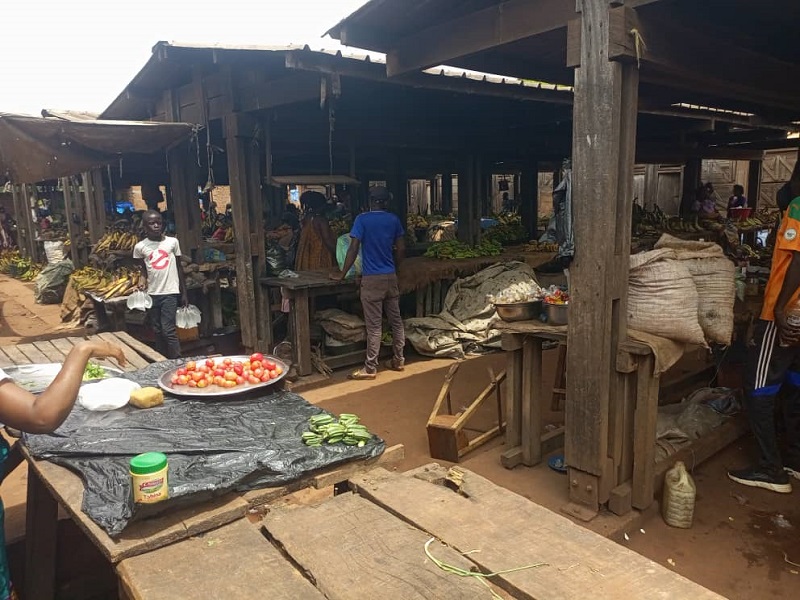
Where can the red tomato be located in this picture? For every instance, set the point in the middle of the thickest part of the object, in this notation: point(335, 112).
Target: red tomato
point(191, 365)
point(210, 363)
point(239, 380)
point(278, 369)
point(265, 378)
point(192, 383)
point(227, 361)
point(219, 372)
point(180, 372)
point(238, 369)
point(202, 383)
point(202, 369)
point(174, 379)
point(256, 356)
point(197, 376)
point(258, 372)
point(254, 379)
point(230, 384)
point(230, 376)
point(183, 379)
point(273, 374)
point(219, 380)
point(255, 364)
point(237, 362)
point(268, 365)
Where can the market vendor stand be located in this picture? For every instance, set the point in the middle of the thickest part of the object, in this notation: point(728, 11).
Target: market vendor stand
point(372, 544)
point(51, 486)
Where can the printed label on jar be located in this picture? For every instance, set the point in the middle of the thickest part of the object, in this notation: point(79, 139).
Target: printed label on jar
point(151, 487)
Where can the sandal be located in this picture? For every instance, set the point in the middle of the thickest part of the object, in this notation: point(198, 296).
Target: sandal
point(362, 375)
point(394, 365)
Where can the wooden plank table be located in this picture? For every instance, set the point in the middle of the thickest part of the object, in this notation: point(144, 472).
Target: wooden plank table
point(50, 485)
point(371, 544)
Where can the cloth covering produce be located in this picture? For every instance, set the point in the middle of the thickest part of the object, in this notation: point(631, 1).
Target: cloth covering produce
point(52, 282)
point(662, 297)
point(342, 326)
point(212, 447)
point(715, 279)
point(465, 320)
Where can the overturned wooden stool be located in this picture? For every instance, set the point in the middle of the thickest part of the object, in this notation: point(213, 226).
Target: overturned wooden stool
point(447, 432)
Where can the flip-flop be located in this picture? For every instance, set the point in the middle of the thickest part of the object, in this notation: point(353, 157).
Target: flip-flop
point(390, 364)
point(557, 463)
point(362, 375)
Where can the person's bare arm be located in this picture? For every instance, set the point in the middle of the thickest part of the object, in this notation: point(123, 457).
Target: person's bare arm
point(182, 282)
point(399, 252)
point(326, 233)
point(44, 413)
point(791, 283)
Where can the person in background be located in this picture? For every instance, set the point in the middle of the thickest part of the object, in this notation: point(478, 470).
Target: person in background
point(163, 279)
point(738, 200)
point(706, 203)
point(774, 364)
point(379, 236)
point(19, 409)
point(316, 248)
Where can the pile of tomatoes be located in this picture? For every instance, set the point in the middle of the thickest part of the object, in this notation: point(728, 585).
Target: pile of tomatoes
point(227, 373)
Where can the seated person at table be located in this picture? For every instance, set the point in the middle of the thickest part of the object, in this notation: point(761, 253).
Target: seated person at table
point(738, 200)
point(44, 413)
point(316, 248)
point(706, 204)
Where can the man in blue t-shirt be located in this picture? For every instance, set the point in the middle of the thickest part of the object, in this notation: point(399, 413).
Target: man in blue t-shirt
point(379, 236)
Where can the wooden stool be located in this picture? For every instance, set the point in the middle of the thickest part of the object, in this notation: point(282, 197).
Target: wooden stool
point(560, 382)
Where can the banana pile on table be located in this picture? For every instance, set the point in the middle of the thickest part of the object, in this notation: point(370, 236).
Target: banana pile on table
point(537, 246)
point(121, 242)
point(763, 219)
point(104, 285)
point(325, 429)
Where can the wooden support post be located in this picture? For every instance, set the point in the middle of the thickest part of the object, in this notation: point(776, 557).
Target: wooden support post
point(447, 193)
point(31, 197)
point(604, 137)
point(692, 172)
point(244, 176)
point(41, 539)
point(96, 220)
point(75, 229)
point(644, 434)
point(528, 200)
point(22, 216)
point(397, 184)
point(433, 198)
point(650, 198)
point(754, 183)
point(468, 200)
point(183, 192)
point(531, 401)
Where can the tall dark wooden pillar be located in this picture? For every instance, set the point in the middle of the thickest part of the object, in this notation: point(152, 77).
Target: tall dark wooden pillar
point(692, 173)
point(434, 204)
point(604, 138)
point(447, 193)
point(185, 201)
point(650, 198)
point(95, 208)
point(754, 183)
point(397, 183)
point(244, 172)
point(469, 185)
point(528, 200)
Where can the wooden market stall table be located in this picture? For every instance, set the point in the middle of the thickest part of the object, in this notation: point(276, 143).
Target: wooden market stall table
point(632, 416)
point(372, 544)
point(51, 485)
point(428, 278)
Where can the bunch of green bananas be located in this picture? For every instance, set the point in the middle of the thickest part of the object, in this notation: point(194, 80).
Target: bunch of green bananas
point(323, 428)
point(116, 241)
point(105, 285)
point(453, 249)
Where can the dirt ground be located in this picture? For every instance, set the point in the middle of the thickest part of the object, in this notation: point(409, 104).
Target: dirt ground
point(742, 542)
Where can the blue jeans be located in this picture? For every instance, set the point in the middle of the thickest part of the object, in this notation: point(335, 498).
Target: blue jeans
point(162, 316)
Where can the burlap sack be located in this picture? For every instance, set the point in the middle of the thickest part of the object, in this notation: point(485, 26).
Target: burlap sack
point(714, 277)
point(662, 297)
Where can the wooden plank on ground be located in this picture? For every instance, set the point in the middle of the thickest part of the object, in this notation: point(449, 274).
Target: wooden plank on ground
point(143, 536)
point(63, 345)
point(135, 361)
point(234, 561)
point(146, 351)
point(352, 548)
point(103, 362)
point(53, 354)
point(509, 531)
point(15, 356)
point(34, 355)
point(392, 455)
point(5, 361)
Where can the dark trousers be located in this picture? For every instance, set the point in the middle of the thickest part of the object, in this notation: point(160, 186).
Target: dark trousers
point(772, 369)
point(162, 317)
point(380, 293)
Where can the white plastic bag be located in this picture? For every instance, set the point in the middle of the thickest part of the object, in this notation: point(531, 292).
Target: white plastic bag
point(188, 317)
point(107, 394)
point(139, 300)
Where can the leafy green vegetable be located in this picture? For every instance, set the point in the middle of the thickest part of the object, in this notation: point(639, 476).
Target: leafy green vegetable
point(93, 371)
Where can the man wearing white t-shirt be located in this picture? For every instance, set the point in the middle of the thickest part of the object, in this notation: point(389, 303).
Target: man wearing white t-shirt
point(160, 256)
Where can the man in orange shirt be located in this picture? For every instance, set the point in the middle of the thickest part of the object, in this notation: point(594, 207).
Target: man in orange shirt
point(775, 363)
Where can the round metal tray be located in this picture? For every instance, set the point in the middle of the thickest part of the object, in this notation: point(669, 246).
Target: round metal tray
point(213, 391)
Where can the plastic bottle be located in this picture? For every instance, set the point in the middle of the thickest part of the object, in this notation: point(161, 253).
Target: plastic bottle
point(677, 506)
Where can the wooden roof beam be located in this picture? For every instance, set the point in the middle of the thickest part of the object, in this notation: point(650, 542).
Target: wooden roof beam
point(475, 32)
point(676, 56)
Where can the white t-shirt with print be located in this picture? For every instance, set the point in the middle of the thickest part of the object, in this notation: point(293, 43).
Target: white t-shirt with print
point(161, 259)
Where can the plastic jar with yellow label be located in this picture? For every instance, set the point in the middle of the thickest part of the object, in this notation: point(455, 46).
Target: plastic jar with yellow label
point(149, 477)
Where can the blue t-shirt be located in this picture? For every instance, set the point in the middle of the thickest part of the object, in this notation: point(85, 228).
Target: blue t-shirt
point(377, 231)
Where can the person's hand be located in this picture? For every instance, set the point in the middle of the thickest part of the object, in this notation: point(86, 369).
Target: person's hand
point(787, 335)
point(103, 349)
point(184, 300)
point(337, 276)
